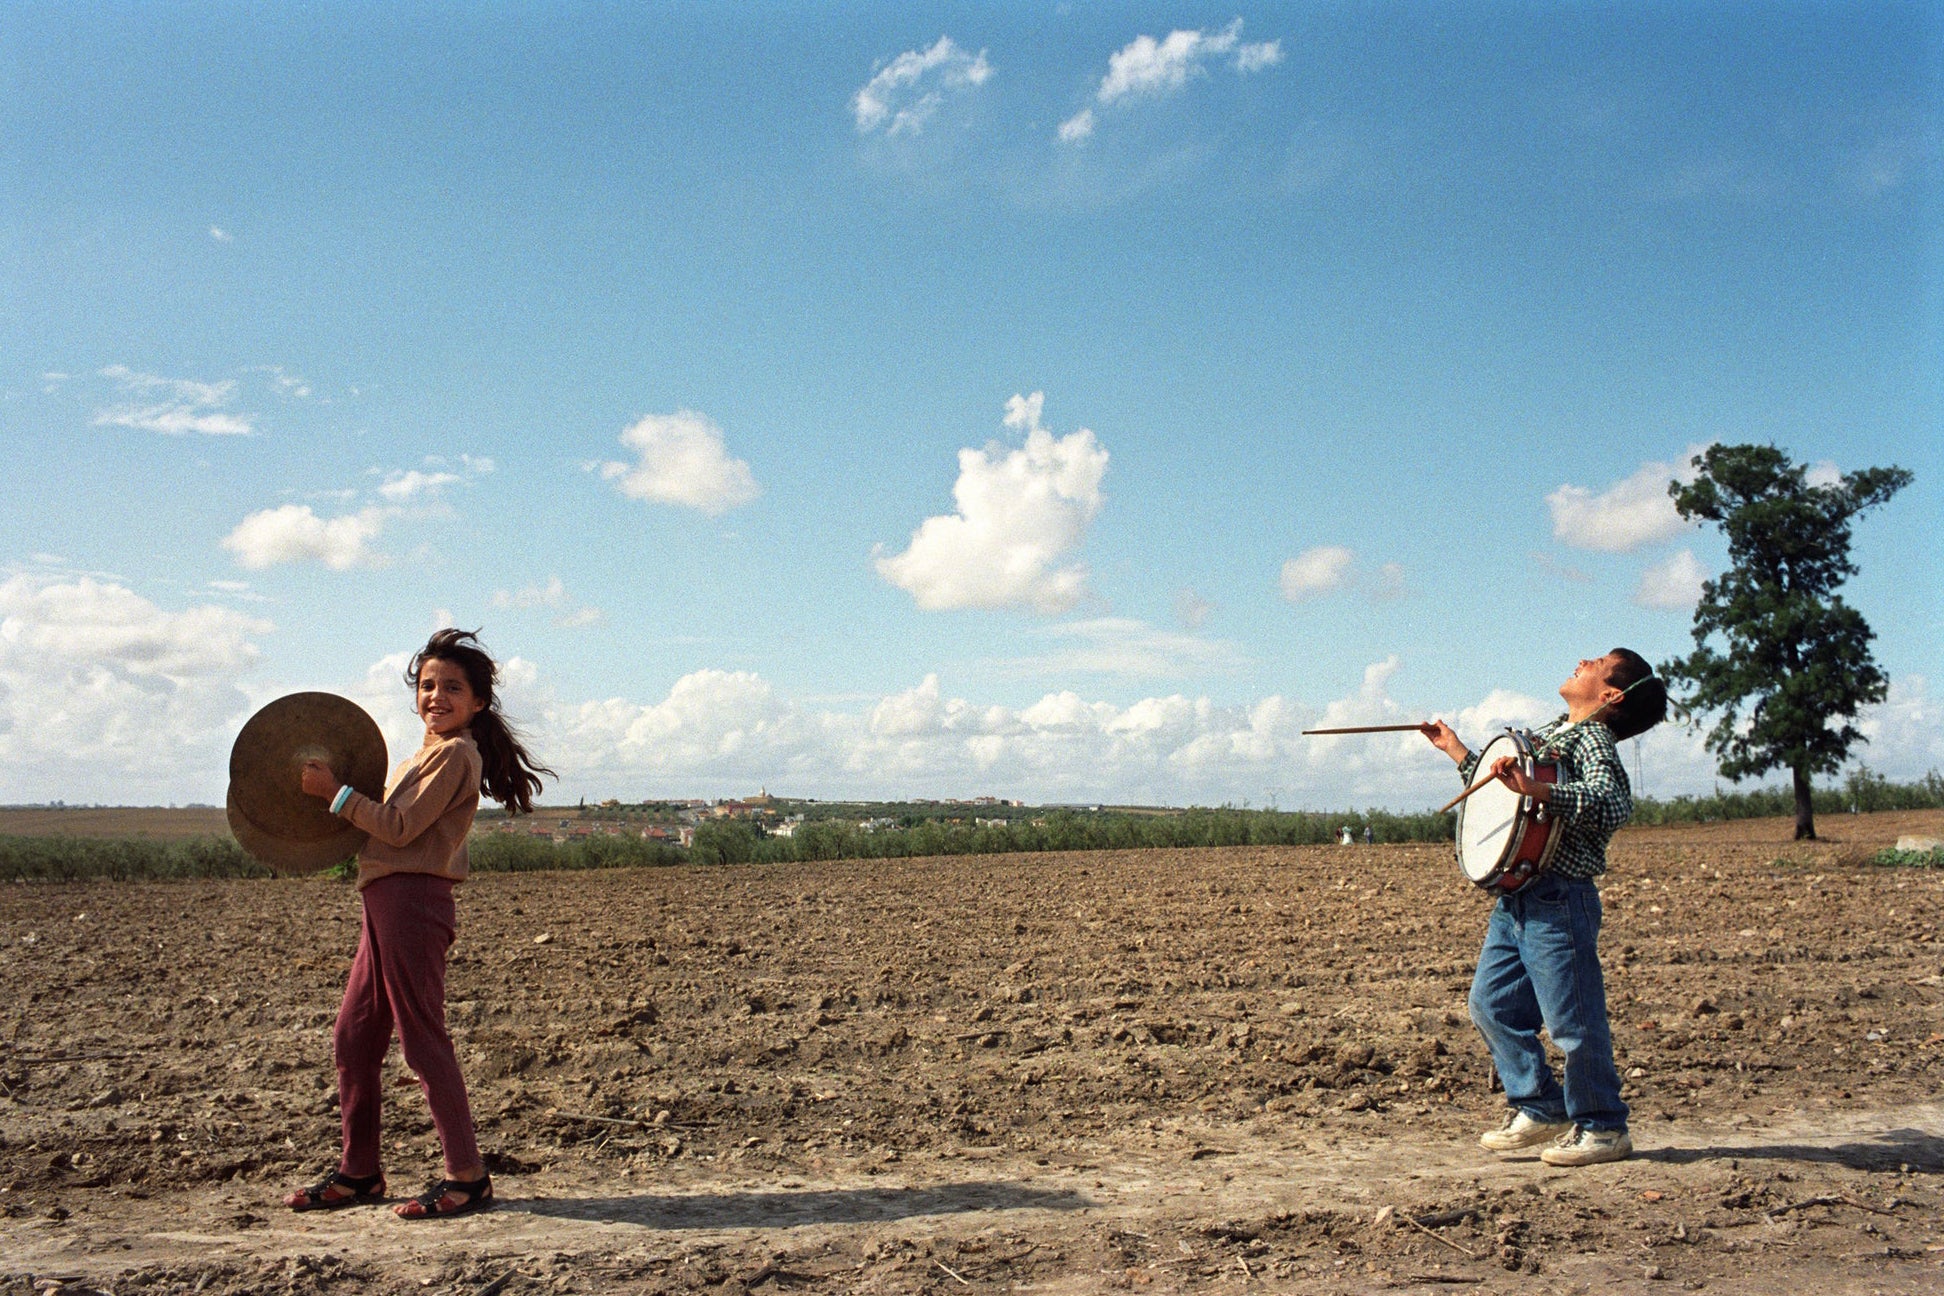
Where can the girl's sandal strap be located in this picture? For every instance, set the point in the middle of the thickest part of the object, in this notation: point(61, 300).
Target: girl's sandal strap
point(479, 1196)
point(364, 1188)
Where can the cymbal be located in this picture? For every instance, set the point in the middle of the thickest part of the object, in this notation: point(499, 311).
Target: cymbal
point(268, 757)
point(293, 857)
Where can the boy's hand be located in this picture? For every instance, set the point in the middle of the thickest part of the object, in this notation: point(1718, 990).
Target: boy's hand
point(318, 780)
point(1506, 770)
point(1445, 739)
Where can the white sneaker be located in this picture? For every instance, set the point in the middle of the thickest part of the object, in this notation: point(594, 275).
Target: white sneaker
point(1521, 1131)
point(1588, 1147)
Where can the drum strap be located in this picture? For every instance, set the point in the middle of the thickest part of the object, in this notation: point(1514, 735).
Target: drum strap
point(1550, 743)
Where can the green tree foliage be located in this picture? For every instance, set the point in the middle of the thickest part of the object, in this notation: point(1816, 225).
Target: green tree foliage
point(725, 841)
point(1794, 666)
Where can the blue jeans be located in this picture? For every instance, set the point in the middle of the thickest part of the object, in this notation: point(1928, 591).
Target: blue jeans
point(1541, 967)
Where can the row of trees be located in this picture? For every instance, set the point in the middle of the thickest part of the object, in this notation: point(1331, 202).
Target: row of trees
point(735, 842)
point(70, 859)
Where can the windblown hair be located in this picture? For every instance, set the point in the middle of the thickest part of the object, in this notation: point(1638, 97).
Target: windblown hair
point(1645, 703)
point(509, 774)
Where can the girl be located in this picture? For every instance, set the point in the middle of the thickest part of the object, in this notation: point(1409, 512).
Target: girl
point(406, 873)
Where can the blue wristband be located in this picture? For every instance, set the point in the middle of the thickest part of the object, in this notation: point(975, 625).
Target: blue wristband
point(337, 802)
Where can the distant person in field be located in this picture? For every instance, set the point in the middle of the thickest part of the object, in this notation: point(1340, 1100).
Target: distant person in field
point(406, 872)
point(1541, 965)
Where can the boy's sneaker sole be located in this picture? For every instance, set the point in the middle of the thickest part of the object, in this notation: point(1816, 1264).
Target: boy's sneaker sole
point(1589, 1147)
point(1520, 1132)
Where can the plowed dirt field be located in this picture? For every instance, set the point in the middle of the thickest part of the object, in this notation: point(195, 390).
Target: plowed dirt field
point(1208, 1070)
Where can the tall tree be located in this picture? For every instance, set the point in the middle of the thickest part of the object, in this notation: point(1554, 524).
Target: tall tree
point(1793, 653)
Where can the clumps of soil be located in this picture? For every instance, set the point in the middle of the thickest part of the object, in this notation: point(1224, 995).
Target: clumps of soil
point(1123, 1068)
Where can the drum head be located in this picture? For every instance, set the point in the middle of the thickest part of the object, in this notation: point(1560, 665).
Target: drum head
point(1488, 819)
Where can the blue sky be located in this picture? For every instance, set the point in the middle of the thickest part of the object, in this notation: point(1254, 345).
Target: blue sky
point(1060, 402)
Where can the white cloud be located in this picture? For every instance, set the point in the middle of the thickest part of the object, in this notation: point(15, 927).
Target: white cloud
point(712, 724)
point(105, 696)
point(292, 533)
point(1905, 731)
point(1674, 584)
point(683, 460)
point(1020, 512)
point(903, 94)
point(221, 235)
point(1633, 512)
point(1191, 609)
point(184, 406)
point(552, 595)
point(287, 383)
point(1823, 473)
point(1254, 58)
point(1146, 68)
point(1316, 571)
point(729, 731)
point(412, 483)
point(1128, 648)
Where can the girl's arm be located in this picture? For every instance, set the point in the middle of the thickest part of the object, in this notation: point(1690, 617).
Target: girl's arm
point(445, 776)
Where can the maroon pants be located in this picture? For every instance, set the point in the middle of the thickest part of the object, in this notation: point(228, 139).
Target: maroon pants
point(398, 982)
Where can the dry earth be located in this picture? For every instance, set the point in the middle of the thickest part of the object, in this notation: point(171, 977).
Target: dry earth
point(1208, 1070)
point(165, 823)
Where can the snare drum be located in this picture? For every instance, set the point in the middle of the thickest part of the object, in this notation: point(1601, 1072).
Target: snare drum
point(1504, 839)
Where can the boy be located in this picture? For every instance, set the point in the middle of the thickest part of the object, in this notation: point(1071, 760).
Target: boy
point(1540, 965)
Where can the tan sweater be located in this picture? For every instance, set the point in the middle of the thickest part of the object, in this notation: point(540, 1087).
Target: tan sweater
point(421, 825)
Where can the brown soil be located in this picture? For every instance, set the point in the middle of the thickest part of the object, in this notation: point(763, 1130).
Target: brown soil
point(168, 823)
point(1160, 1070)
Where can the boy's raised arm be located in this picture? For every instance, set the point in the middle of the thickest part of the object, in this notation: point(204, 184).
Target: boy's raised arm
point(1445, 739)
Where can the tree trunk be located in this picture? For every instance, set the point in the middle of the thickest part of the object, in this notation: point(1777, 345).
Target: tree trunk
point(1805, 807)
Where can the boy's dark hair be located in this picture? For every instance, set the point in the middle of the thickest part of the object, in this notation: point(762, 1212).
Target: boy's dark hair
point(1645, 703)
point(508, 772)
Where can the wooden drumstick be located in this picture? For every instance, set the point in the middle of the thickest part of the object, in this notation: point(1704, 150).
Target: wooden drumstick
point(1403, 728)
point(1489, 778)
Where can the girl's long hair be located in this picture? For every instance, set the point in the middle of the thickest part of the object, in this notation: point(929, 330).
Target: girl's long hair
point(508, 773)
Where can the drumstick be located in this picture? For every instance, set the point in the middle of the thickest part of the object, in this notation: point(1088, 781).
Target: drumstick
point(1489, 778)
point(1368, 729)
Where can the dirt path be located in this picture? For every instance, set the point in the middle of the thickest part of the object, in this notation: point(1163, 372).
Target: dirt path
point(1212, 1195)
point(1190, 1070)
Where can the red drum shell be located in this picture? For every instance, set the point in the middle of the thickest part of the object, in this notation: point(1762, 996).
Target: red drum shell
point(1504, 840)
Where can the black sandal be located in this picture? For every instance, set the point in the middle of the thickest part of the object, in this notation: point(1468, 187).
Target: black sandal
point(479, 1196)
point(364, 1188)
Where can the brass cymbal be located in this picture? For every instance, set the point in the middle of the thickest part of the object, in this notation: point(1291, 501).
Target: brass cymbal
point(294, 857)
point(269, 755)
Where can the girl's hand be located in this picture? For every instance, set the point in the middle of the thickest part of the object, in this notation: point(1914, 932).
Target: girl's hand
point(1445, 739)
point(318, 780)
point(1506, 770)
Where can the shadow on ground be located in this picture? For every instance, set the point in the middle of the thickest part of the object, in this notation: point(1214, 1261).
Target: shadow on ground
point(1892, 1150)
point(792, 1209)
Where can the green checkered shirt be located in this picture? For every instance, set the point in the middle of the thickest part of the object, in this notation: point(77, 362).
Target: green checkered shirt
point(1592, 798)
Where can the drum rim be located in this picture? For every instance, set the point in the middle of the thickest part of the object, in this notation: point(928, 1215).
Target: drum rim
point(1515, 840)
